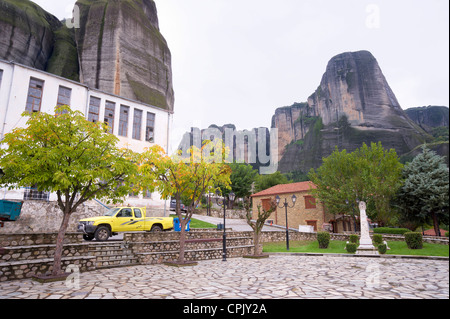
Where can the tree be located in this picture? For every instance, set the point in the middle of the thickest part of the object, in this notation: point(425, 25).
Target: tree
point(66, 154)
point(264, 182)
point(190, 177)
point(242, 178)
point(370, 173)
point(258, 225)
point(423, 198)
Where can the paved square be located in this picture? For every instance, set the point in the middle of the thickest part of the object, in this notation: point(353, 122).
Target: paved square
point(284, 277)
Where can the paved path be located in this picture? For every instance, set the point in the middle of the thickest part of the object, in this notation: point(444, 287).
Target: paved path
point(284, 277)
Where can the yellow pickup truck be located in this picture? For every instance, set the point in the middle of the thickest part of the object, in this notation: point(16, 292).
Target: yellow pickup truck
point(122, 219)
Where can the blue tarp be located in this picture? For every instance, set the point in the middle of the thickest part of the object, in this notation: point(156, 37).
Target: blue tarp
point(10, 210)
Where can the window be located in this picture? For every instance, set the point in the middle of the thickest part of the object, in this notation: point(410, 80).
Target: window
point(310, 202)
point(137, 213)
point(64, 96)
point(126, 212)
point(150, 128)
point(266, 204)
point(32, 193)
point(123, 121)
point(34, 95)
point(94, 109)
point(137, 124)
point(110, 109)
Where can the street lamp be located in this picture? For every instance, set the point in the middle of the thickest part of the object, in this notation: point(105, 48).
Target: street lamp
point(225, 202)
point(286, 205)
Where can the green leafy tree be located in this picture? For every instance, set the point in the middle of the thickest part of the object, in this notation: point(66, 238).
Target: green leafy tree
point(242, 177)
point(267, 181)
point(70, 156)
point(423, 198)
point(370, 173)
point(189, 178)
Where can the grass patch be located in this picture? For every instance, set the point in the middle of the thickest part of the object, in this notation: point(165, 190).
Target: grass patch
point(338, 247)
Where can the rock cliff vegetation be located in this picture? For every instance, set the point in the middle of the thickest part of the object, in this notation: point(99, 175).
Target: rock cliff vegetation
point(117, 48)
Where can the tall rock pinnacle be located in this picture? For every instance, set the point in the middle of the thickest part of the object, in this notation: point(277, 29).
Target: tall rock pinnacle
point(122, 51)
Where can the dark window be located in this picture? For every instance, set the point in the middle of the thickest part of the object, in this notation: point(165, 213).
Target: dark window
point(32, 193)
point(137, 213)
point(123, 121)
point(34, 95)
point(126, 212)
point(64, 95)
point(137, 124)
point(94, 109)
point(110, 109)
point(150, 128)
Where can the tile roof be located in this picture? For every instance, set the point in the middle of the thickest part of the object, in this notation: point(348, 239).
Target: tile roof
point(286, 189)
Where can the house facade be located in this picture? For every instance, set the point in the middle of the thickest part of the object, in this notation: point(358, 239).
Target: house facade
point(137, 125)
point(307, 214)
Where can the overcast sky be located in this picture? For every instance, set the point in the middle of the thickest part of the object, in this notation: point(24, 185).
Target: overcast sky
point(236, 61)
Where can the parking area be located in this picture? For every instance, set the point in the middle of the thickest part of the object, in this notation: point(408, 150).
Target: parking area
point(278, 277)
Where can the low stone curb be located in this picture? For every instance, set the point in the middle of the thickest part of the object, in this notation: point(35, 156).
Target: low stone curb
point(366, 256)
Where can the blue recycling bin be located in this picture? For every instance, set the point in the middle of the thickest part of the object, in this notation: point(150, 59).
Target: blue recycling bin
point(177, 225)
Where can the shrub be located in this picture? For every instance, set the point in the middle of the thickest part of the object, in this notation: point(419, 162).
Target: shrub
point(354, 238)
point(446, 234)
point(377, 239)
point(351, 248)
point(382, 248)
point(387, 230)
point(323, 238)
point(414, 240)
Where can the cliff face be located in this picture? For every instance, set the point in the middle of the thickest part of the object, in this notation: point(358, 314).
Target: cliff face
point(118, 47)
point(122, 51)
point(429, 117)
point(352, 105)
point(26, 33)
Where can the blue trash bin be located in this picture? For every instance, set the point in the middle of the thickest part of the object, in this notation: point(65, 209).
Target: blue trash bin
point(177, 225)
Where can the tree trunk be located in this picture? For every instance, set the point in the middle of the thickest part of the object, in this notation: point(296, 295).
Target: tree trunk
point(256, 241)
point(436, 224)
point(60, 245)
point(182, 241)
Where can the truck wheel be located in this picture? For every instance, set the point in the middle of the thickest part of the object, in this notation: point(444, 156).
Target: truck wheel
point(88, 237)
point(102, 233)
point(156, 229)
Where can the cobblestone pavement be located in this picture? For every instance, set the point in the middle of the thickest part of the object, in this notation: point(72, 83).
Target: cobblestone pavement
point(281, 277)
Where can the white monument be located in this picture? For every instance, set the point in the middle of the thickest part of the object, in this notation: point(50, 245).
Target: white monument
point(366, 246)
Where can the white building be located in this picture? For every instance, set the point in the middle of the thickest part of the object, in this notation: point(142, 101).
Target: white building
point(137, 125)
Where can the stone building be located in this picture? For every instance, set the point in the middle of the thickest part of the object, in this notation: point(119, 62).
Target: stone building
point(136, 124)
point(307, 211)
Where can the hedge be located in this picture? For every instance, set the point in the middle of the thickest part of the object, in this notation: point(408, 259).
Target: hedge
point(414, 240)
point(324, 239)
point(387, 230)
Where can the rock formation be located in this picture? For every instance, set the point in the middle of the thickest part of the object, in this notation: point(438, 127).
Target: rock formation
point(352, 105)
point(117, 48)
point(122, 51)
point(429, 117)
point(26, 33)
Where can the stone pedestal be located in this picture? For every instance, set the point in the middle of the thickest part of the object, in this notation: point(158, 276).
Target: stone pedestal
point(366, 246)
